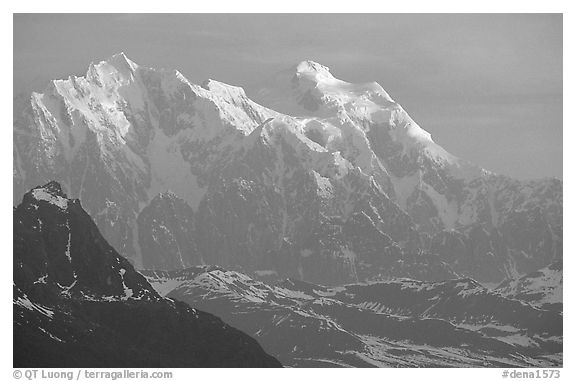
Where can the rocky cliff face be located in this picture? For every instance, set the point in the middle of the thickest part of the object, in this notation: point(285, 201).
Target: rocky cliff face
point(78, 303)
point(171, 239)
point(321, 180)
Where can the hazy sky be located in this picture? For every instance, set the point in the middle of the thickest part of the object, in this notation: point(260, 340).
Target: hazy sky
point(487, 87)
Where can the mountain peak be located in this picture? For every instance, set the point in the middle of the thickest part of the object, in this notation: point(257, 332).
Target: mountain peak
point(311, 69)
point(311, 66)
point(121, 61)
point(224, 90)
point(112, 68)
point(61, 246)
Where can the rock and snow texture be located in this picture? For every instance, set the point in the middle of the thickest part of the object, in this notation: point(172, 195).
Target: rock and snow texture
point(57, 247)
point(402, 323)
point(78, 303)
point(542, 288)
point(321, 180)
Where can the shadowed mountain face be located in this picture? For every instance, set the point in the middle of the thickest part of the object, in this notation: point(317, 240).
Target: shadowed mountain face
point(78, 303)
point(321, 180)
point(402, 323)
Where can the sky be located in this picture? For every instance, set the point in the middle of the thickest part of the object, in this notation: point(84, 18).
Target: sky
point(488, 87)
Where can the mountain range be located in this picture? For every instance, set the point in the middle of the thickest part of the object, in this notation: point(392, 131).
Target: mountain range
point(399, 323)
point(322, 180)
point(306, 202)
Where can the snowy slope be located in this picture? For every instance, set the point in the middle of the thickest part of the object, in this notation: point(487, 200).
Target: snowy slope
point(396, 323)
point(310, 91)
point(542, 288)
point(375, 133)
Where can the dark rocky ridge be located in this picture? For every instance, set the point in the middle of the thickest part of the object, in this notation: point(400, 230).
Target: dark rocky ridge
point(78, 303)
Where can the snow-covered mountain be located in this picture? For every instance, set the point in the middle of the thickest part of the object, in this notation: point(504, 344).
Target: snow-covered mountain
point(321, 180)
point(78, 303)
point(402, 323)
